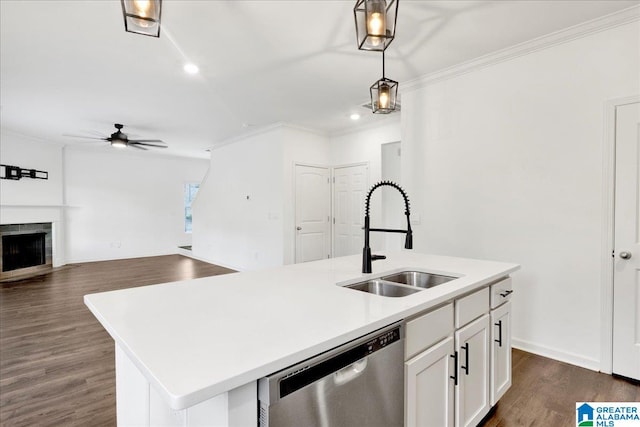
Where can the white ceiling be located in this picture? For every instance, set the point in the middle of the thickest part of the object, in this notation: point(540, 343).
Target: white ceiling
point(68, 67)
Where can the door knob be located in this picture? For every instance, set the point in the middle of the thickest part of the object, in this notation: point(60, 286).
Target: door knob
point(298, 228)
point(625, 255)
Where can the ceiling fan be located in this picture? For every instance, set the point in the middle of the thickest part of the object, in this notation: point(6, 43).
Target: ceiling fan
point(119, 139)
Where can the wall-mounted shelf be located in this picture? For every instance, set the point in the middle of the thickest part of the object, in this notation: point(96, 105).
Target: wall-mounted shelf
point(16, 173)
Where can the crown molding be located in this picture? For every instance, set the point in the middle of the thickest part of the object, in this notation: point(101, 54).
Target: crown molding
point(386, 120)
point(304, 129)
point(606, 22)
point(266, 129)
point(249, 134)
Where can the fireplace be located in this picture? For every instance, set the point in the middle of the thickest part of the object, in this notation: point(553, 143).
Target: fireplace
point(26, 250)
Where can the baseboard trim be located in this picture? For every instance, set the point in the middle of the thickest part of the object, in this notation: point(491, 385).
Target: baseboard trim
point(209, 261)
point(559, 355)
point(83, 260)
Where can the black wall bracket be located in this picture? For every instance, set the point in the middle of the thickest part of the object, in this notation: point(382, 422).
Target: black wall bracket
point(16, 172)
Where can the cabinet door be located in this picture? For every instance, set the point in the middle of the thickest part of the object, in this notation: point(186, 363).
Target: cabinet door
point(500, 351)
point(472, 393)
point(429, 387)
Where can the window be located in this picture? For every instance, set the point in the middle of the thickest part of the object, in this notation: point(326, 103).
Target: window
point(190, 191)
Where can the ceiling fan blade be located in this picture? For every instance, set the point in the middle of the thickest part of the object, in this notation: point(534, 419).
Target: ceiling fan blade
point(96, 133)
point(83, 136)
point(136, 146)
point(136, 143)
point(147, 140)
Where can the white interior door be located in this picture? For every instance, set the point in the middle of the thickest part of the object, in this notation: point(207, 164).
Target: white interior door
point(626, 276)
point(313, 213)
point(349, 192)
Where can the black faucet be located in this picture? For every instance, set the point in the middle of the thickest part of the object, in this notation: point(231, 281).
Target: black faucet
point(408, 242)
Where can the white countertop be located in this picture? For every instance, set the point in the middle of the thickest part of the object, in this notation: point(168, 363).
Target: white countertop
point(198, 338)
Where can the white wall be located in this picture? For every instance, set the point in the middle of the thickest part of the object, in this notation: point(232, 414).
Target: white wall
point(27, 153)
point(33, 200)
point(364, 144)
point(506, 163)
point(247, 234)
point(124, 204)
point(392, 201)
point(237, 216)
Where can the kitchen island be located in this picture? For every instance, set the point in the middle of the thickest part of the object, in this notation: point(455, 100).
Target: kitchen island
point(195, 349)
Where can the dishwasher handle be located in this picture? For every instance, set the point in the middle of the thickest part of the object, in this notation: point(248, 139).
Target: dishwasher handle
point(350, 372)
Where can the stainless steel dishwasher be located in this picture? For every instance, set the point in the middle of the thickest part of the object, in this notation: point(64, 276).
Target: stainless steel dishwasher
point(360, 383)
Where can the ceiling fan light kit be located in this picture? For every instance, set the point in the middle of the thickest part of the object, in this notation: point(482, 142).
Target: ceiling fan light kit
point(375, 23)
point(142, 16)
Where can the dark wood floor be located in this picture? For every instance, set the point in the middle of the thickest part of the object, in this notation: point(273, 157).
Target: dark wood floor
point(57, 363)
point(544, 392)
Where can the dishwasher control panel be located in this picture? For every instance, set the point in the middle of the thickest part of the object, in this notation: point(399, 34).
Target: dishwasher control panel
point(382, 341)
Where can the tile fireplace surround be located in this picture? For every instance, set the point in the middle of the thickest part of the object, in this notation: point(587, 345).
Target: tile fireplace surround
point(26, 229)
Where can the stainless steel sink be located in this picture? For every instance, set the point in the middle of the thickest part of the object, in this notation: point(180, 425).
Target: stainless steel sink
point(383, 288)
point(418, 279)
point(401, 284)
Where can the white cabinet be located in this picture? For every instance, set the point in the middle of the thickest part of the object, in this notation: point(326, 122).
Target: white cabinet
point(500, 351)
point(429, 387)
point(429, 369)
point(472, 392)
point(458, 359)
point(501, 292)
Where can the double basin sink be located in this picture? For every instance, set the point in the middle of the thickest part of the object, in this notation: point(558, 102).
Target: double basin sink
point(401, 284)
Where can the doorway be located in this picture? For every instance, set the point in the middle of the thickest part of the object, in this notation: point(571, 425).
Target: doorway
point(621, 266)
point(626, 243)
point(312, 213)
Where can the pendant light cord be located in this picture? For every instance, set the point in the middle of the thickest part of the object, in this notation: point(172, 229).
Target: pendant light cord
point(383, 64)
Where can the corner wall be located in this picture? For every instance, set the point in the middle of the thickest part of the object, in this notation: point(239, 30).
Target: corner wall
point(123, 204)
point(506, 163)
point(238, 213)
point(243, 217)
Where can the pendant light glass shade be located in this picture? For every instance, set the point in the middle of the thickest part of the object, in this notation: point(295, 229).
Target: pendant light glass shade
point(375, 23)
point(142, 16)
point(384, 94)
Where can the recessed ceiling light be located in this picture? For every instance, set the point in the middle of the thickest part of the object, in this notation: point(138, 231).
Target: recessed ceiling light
point(355, 116)
point(191, 68)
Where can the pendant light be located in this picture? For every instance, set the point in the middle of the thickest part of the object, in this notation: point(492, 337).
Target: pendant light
point(375, 23)
point(142, 16)
point(384, 94)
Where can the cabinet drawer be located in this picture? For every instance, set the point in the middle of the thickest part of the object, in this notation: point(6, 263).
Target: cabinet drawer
point(501, 292)
point(471, 307)
point(426, 330)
